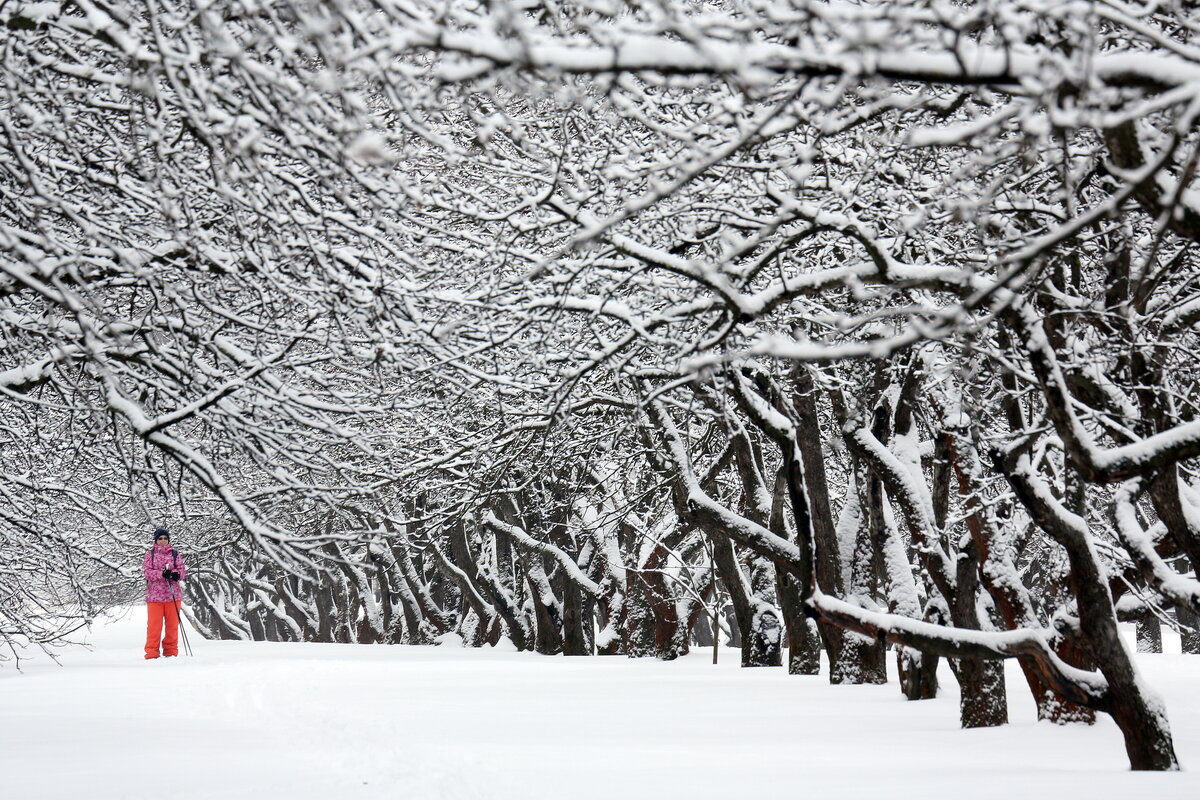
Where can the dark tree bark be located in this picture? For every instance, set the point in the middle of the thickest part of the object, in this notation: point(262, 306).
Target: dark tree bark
point(1000, 578)
point(918, 673)
point(547, 611)
point(326, 612)
point(1189, 631)
point(760, 627)
point(828, 567)
point(983, 700)
point(1149, 634)
point(254, 617)
point(803, 638)
point(863, 659)
point(669, 627)
point(575, 641)
point(638, 628)
point(1148, 739)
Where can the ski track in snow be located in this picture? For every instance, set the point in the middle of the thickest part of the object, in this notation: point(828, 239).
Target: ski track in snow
point(301, 721)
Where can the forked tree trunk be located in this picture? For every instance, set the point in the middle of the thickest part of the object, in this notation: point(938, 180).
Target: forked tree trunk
point(760, 627)
point(1010, 596)
point(668, 643)
point(286, 587)
point(548, 637)
point(1137, 713)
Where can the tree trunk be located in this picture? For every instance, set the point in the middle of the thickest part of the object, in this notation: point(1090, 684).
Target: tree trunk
point(731, 622)
point(271, 629)
point(761, 630)
point(1138, 714)
point(286, 589)
point(828, 566)
point(1189, 631)
point(983, 703)
point(326, 612)
point(918, 673)
point(983, 699)
point(574, 641)
point(999, 576)
point(863, 660)
point(1149, 634)
point(638, 628)
point(802, 635)
point(1058, 710)
point(663, 607)
point(254, 616)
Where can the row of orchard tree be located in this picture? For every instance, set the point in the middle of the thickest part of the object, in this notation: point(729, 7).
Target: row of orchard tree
point(578, 324)
point(633, 534)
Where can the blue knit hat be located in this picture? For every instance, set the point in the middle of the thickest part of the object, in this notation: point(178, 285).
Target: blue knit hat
point(162, 532)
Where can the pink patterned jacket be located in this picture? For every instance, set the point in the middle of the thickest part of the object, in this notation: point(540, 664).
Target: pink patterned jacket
point(158, 588)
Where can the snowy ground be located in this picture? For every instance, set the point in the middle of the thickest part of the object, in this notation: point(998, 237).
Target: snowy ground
point(301, 721)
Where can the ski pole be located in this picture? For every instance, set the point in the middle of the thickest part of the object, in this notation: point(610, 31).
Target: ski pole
point(187, 647)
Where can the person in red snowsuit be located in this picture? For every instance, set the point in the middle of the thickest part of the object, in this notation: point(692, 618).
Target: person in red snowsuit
point(164, 569)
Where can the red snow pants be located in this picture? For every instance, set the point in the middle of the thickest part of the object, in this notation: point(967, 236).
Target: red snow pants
point(156, 615)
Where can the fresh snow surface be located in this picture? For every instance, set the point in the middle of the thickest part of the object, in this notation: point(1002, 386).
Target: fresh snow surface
point(301, 721)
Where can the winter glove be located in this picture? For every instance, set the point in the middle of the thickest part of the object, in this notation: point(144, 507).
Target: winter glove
point(170, 574)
